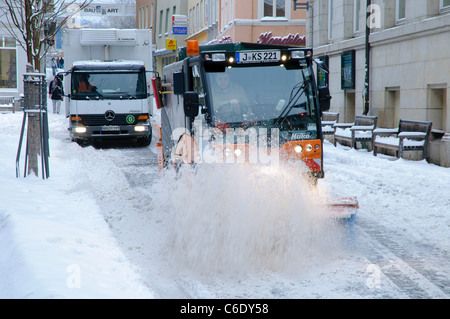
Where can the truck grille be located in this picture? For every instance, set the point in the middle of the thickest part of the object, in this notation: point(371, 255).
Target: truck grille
point(99, 119)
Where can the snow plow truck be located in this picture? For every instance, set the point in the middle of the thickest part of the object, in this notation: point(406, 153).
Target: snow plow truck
point(243, 103)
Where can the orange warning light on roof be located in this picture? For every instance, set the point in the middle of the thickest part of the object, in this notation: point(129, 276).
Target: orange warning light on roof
point(192, 48)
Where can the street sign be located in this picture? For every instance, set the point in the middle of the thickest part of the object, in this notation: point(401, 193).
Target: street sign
point(171, 44)
point(178, 19)
point(179, 30)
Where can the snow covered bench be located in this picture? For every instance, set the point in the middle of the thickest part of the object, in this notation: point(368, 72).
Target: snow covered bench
point(6, 103)
point(328, 120)
point(359, 131)
point(408, 136)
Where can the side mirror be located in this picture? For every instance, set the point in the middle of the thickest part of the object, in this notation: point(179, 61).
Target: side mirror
point(190, 104)
point(324, 98)
point(178, 83)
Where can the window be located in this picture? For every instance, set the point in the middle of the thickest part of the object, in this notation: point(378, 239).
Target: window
point(206, 10)
point(436, 106)
point(445, 5)
point(330, 19)
point(190, 21)
point(348, 70)
point(202, 13)
point(400, 10)
point(197, 18)
point(231, 10)
point(274, 8)
point(146, 17)
point(167, 20)
point(8, 63)
point(161, 15)
point(151, 16)
point(357, 8)
point(226, 13)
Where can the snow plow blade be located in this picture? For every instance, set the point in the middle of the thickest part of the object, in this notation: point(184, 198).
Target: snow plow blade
point(343, 208)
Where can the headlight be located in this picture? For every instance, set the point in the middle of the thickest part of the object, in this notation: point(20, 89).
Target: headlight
point(238, 152)
point(308, 147)
point(228, 152)
point(297, 54)
point(216, 57)
point(80, 129)
point(140, 128)
point(298, 149)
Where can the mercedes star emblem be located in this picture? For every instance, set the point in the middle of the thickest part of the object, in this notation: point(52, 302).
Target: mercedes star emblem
point(110, 115)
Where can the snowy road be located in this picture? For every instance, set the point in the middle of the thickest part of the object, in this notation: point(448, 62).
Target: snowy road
point(220, 233)
point(388, 252)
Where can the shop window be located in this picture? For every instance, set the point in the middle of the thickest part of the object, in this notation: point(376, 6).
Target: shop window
point(8, 63)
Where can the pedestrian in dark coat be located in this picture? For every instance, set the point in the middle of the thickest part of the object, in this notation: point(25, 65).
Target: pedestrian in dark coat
point(56, 92)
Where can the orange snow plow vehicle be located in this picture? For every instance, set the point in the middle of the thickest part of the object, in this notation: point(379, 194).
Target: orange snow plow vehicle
point(243, 103)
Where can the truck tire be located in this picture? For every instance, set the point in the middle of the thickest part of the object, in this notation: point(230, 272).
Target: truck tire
point(144, 141)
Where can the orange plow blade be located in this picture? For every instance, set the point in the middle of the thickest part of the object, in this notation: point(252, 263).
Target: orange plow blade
point(343, 208)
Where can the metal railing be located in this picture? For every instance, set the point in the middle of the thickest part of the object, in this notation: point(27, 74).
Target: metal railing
point(35, 113)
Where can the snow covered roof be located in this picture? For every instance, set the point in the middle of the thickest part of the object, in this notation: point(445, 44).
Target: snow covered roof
point(108, 65)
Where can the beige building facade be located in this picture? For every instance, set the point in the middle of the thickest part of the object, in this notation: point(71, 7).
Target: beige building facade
point(168, 34)
point(214, 21)
point(409, 62)
point(246, 21)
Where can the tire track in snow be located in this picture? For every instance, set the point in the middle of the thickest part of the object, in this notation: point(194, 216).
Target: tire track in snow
point(418, 270)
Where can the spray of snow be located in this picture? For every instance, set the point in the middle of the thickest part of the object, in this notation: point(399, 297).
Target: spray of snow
point(240, 218)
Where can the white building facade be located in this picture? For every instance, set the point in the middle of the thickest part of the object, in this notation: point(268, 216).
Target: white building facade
point(409, 61)
point(13, 61)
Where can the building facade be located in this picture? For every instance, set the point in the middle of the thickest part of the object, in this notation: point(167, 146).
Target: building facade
point(409, 65)
point(214, 21)
point(248, 21)
point(168, 34)
point(13, 61)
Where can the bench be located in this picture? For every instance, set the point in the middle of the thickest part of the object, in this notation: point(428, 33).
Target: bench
point(408, 136)
point(328, 120)
point(359, 131)
point(6, 103)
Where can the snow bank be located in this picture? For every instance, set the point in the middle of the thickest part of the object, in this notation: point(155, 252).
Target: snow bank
point(54, 242)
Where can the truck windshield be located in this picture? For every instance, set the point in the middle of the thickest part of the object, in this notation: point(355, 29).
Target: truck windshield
point(120, 85)
point(265, 95)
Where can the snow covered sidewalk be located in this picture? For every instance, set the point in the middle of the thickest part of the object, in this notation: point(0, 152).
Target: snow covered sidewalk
point(54, 241)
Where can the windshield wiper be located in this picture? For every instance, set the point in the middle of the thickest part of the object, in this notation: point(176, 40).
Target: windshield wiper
point(293, 99)
point(127, 95)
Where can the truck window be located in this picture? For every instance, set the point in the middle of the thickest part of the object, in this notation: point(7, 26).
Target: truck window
point(260, 94)
point(198, 85)
point(118, 85)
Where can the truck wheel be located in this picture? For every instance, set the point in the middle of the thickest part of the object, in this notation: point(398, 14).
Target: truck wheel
point(144, 141)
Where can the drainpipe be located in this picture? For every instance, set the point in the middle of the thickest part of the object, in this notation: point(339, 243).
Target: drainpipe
point(367, 80)
point(107, 53)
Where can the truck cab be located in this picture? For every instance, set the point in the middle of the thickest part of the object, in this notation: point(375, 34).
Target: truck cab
point(107, 82)
point(109, 100)
point(242, 102)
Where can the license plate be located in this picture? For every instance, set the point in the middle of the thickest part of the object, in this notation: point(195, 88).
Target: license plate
point(110, 128)
point(257, 56)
